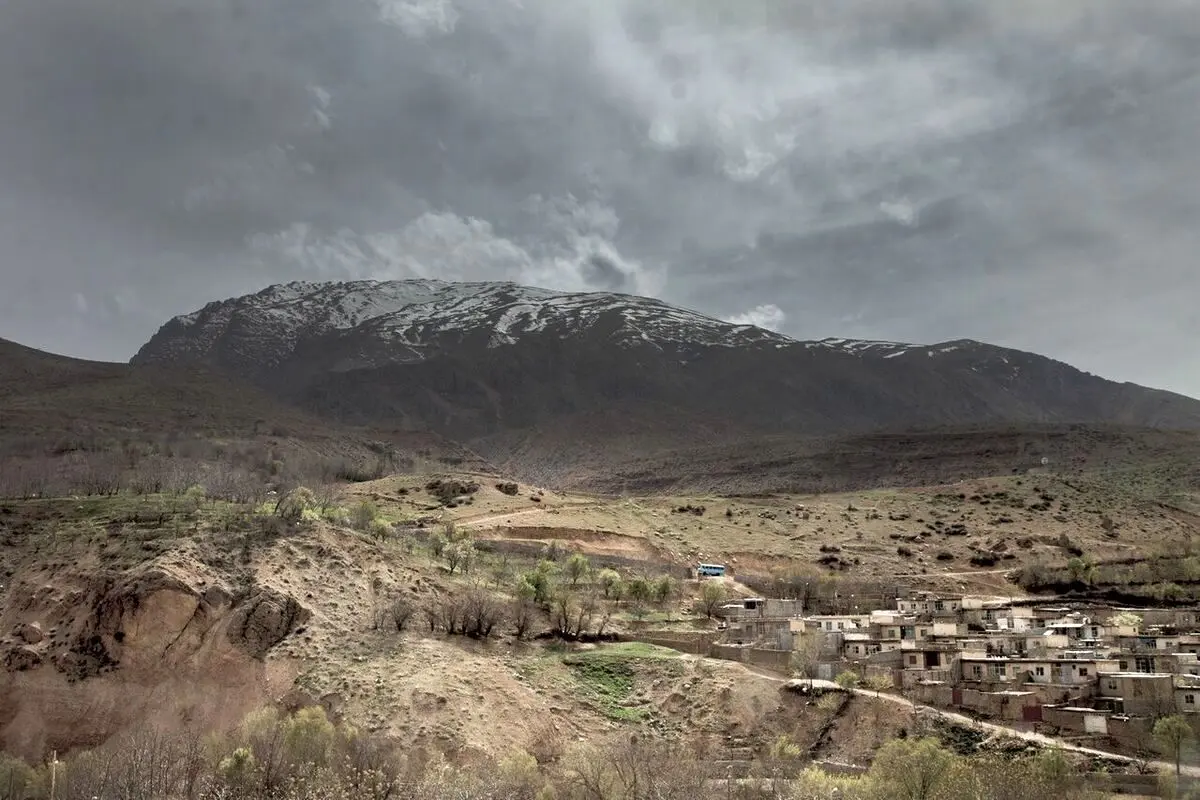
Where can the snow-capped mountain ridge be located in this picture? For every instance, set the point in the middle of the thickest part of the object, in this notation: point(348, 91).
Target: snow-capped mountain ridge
point(412, 311)
point(476, 360)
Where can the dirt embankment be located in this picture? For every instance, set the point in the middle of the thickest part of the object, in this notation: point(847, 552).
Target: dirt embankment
point(85, 655)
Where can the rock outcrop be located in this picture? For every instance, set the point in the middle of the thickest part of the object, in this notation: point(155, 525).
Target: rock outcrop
point(88, 655)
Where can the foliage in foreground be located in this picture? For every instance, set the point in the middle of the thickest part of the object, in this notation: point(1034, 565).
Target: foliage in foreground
point(304, 756)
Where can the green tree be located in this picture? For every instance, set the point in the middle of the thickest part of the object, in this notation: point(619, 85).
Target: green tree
point(541, 581)
point(380, 529)
point(1171, 734)
point(578, 568)
point(638, 590)
point(16, 778)
point(663, 587)
point(912, 769)
point(712, 595)
point(1082, 570)
point(610, 583)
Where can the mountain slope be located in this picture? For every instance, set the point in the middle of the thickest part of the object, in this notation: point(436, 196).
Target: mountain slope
point(64, 421)
point(496, 364)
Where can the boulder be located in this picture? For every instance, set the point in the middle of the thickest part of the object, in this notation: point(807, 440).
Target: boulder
point(29, 632)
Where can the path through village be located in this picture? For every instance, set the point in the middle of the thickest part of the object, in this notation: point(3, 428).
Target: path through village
point(959, 719)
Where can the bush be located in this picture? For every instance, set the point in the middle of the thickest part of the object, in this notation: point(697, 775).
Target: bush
point(291, 506)
point(447, 492)
point(380, 529)
point(847, 679)
point(363, 514)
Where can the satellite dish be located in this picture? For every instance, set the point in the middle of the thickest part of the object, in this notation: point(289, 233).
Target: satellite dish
point(1045, 461)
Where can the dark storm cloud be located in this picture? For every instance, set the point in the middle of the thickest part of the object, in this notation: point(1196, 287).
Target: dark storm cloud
point(1017, 171)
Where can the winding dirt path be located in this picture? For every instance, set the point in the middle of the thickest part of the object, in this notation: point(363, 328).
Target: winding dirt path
point(960, 719)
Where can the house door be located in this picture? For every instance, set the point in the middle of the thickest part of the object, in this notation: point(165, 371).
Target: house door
point(1031, 713)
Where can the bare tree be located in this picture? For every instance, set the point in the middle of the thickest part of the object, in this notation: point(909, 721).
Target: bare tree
point(400, 610)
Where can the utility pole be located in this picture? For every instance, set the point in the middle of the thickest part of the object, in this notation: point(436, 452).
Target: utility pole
point(53, 773)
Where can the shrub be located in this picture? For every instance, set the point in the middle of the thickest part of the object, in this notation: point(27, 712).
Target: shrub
point(291, 506)
point(847, 679)
point(363, 514)
point(380, 529)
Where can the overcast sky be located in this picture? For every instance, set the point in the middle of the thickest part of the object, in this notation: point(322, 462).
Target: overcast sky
point(1018, 171)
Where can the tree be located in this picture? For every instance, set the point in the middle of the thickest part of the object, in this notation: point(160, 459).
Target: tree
point(663, 587)
point(1125, 619)
point(1082, 570)
point(712, 595)
point(291, 506)
point(521, 611)
point(1171, 734)
point(806, 653)
point(912, 769)
point(460, 555)
point(578, 568)
point(380, 529)
point(400, 611)
point(610, 583)
point(540, 581)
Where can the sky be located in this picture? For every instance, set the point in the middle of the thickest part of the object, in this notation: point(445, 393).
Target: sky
point(1021, 172)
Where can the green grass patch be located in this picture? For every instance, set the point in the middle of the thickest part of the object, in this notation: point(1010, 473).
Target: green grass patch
point(607, 677)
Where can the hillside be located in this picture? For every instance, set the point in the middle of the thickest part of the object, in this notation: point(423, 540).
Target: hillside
point(64, 421)
point(499, 366)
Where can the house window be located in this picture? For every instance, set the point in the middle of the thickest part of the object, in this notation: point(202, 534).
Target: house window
point(1041, 672)
point(1190, 699)
point(977, 671)
point(1083, 672)
point(841, 626)
point(912, 660)
point(1124, 665)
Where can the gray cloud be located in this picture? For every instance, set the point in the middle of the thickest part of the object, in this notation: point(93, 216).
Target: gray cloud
point(1021, 172)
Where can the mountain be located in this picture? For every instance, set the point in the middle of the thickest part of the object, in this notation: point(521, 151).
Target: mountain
point(66, 421)
point(502, 366)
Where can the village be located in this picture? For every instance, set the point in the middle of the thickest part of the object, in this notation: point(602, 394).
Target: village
point(1092, 673)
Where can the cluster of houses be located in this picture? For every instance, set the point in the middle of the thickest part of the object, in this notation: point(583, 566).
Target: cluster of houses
point(1096, 670)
